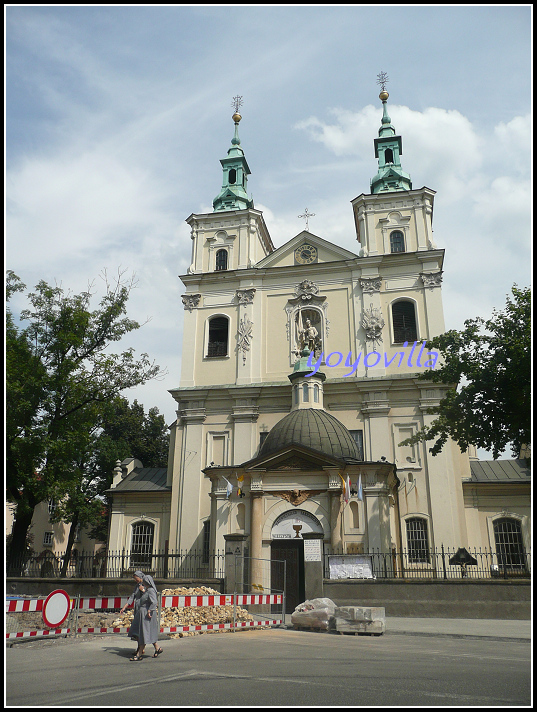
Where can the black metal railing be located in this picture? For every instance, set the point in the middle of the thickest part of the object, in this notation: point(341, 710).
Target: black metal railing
point(117, 564)
point(432, 564)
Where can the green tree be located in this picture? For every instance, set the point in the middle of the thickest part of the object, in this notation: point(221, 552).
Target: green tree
point(120, 430)
point(58, 370)
point(491, 360)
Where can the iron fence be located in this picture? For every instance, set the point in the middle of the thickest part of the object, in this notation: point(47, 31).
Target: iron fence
point(426, 564)
point(117, 564)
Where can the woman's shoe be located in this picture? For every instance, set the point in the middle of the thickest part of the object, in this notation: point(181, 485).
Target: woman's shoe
point(158, 652)
point(136, 657)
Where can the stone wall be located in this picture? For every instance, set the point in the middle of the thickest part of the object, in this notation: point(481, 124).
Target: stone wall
point(428, 599)
point(96, 586)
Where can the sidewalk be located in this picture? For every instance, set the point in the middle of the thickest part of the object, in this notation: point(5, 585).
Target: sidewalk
point(513, 630)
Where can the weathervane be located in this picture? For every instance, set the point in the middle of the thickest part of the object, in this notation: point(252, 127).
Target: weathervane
point(307, 215)
point(382, 79)
point(236, 103)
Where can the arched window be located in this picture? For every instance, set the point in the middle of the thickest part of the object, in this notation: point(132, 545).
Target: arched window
point(404, 322)
point(221, 260)
point(315, 393)
point(388, 157)
point(417, 540)
point(509, 543)
point(218, 336)
point(232, 176)
point(305, 389)
point(397, 241)
point(141, 544)
point(295, 391)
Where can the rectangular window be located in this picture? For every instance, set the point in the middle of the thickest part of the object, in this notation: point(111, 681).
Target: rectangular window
point(417, 540)
point(51, 507)
point(48, 538)
point(358, 436)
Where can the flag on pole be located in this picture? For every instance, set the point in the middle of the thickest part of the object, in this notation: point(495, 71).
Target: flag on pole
point(360, 490)
point(229, 488)
point(240, 480)
point(346, 490)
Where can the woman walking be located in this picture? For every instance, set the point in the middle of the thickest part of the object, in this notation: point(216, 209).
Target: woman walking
point(145, 626)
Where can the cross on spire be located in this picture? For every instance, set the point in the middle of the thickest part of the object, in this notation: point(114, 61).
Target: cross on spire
point(307, 215)
point(382, 79)
point(236, 103)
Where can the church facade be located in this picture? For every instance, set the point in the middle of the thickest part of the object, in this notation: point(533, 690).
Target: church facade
point(299, 384)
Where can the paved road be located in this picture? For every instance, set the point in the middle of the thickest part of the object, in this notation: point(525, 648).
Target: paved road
point(272, 668)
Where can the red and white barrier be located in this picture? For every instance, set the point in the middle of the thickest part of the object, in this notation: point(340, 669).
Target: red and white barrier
point(38, 633)
point(28, 604)
point(195, 601)
point(99, 603)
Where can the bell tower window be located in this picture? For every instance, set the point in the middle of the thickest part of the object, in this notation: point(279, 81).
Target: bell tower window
point(218, 336)
point(221, 260)
point(232, 176)
point(388, 156)
point(404, 322)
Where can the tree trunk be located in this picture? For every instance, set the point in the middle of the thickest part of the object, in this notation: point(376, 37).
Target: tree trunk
point(17, 550)
point(70, 541)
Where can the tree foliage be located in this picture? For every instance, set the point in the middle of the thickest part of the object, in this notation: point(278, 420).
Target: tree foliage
point(491, 360)
point(59, 373)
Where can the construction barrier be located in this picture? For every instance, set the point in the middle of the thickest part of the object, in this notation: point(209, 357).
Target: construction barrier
point(36, 605)
point(99, 603)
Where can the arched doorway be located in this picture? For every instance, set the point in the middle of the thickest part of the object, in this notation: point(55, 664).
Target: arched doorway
point(287, 545)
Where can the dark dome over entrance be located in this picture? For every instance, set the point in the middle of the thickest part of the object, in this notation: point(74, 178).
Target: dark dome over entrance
point(312, 428)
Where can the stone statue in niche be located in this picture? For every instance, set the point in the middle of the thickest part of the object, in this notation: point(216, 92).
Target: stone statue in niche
point(307, 335)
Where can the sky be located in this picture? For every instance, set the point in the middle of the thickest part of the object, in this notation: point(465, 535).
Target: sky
point(117, 118)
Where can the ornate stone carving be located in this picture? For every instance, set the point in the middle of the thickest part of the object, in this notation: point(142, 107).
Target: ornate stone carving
point(369, 285)
point(296, 497)
point(431, 279)
point(306, 289)
point(244, 336)
point(373, 323)
point(191, 301)
point(245, 296)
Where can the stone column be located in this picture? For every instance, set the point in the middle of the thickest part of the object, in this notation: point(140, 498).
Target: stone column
point(256, 534)
point(234, 575)
point(335, 520)
point(313, 564)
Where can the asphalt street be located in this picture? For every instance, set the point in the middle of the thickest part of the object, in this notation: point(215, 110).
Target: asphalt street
point(272, 668)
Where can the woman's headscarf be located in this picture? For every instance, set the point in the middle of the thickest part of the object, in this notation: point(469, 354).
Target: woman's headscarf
point(146, 579)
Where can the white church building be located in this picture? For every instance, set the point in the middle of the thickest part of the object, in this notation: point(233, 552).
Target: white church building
point(258, 321)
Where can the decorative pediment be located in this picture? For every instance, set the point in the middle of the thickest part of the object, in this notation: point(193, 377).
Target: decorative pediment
point(328, 252)
point(293, 457)
point(294, 463)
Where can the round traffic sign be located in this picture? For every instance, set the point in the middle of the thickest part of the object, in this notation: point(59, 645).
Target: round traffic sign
point(56, 608)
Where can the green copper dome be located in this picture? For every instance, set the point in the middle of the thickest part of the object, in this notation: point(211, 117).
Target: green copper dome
point(315, 429)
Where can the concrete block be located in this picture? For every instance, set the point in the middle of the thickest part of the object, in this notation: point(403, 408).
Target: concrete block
point(341, 625)
point(360, 613)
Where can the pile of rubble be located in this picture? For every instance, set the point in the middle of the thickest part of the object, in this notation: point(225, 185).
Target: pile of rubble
point(198, 615)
